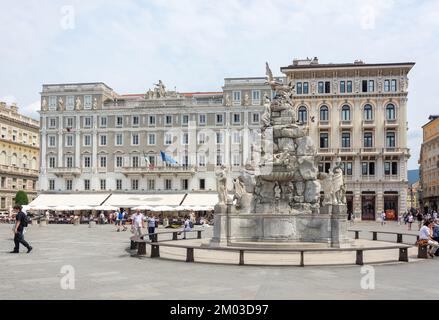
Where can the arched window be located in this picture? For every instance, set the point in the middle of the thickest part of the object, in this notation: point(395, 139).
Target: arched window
point(324, 113)
point(368, 112)
point(303, 114)
point(14, 160)
point(24, 162)
point(34, 163)
point(390, 112)
point(346, 113)
point(3, 158)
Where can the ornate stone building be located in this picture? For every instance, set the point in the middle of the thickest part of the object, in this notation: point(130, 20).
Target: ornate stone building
point(94, 139)
point(429, 164)
point(19, 154)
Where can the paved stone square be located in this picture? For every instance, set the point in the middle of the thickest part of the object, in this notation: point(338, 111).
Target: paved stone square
point(105, 269)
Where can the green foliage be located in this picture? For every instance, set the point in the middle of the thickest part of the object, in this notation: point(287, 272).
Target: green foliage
point(21, 198)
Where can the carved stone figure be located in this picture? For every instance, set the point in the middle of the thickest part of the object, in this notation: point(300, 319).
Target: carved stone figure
point(228, 100)
point(149, 94)
point(78, 103)
point(160, 90)
point(338, 183)
point(246, 99)
point(95, 104)
point(221, 182)
point(60, 104)
point(328, 188)
point(277, 191)
point(266, 116)
point(239, 190)
point(44, 104)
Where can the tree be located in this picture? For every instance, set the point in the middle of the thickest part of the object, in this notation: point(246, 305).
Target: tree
point(21, 198)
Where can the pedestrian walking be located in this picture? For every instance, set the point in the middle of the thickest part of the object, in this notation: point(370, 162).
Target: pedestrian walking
point(138, 223)
point(120, 215)
point(420, 218)
point(410, 219)
point(400, 219)
point(383, 218)
point(21, 222)
point(151, 225)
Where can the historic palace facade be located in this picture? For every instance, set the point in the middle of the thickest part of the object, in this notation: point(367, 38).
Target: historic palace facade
point(429, 164)
point(95, 140)
point(19, 155)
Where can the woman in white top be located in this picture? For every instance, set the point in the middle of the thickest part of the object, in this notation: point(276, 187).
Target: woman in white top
point(425, 234)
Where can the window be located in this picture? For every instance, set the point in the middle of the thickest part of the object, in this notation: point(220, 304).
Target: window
point(185, 119)
point(255, 118)
point(185, 160)
point(201, 160)
point(168, 120)
point(256, 96)
point(236, 118)
point(303, 114)
point(87, 140)
point(185, 138)
point(201, 138)
point(324, 113)
point(347, 168)
point(87, 122)
point(342, 86)
point(135, 120)
point(371, 86)
point(324, 140)
point(119, 121)
point(346, 140)
point(69, 184)
point(368, 113)
point(324, 166)
point(219, 160)
point(349, 87)
point(151, 184)
point(320, 87)
point(219, 137)
point(151, 160)
point(327, 87)
point(103, 161)
point(151, 139)
point(118, 184)
point(364, 86)
point(86, 184)
point(135, 184)
point(135, 139)
point(299, 87)
point(87, 102)
point(69, 140)
point(87, 162)
point(103, 122)
point(52, 184)
point(219, 119)
point(202, 184)
point(119, 139)
point(168, 139)
point(70, 122)
point(52, 123)
point(135, 161)
point(368, 168)
point(168, 184)
point(184, 184)
point(390, 168)
point(236, 137)
point(202, 119)
point(52, 162)
point(236, 96)
point(390, 139)
point(368, 140)
point(390, 112)
point(305, 88)
point(69, 162)
point(119, 161)
point(52, 103)
point(393, 85)
point(103, 184)
point(236, 159)
point(386, 85)
point(52, 141)
point(346, 113)
point(103, 140)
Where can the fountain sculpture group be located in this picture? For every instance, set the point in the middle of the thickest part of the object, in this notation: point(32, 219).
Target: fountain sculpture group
point(277, 198)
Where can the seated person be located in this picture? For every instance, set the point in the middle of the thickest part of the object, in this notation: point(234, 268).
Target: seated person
point(426, 235)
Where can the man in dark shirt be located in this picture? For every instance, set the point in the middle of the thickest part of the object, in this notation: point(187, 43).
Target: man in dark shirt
point(20, 223)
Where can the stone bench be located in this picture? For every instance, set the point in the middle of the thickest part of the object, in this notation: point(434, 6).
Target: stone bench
point(399, 235)
point(423, 248)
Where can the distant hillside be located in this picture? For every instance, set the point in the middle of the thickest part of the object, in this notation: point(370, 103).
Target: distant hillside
point(413, 176)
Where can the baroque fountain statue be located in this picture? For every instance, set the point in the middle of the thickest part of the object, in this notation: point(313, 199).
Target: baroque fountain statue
point(277, 197)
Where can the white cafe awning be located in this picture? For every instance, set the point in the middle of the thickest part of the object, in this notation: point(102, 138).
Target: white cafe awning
point(200, 201)
point(150, 200)
point(51, 201)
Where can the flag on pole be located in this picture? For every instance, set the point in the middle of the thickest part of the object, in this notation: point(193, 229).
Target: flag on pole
point(167, 158)
point(148, 163)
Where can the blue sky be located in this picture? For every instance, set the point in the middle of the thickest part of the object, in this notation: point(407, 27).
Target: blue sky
point(194, 44)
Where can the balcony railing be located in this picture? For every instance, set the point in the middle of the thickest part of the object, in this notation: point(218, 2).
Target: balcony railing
point(392, 150)
point(346, 123)
point(369, 150)
point(62, 171)
point(346, 150)
point(391, 123)
point(368, 123)
point(326, 150)
point(18, 170)
point(158, 169)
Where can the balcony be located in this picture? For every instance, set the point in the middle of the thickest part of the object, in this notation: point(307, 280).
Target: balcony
point(368, 124)
point(326, 151)
point(346, 124)
point(391, 123)
point(393, 150)
point(64, 171)
point(369, 150)
point(395, 178)
point(324, 123)
point(158, 170)
point(346, 150)
point(18, 170)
